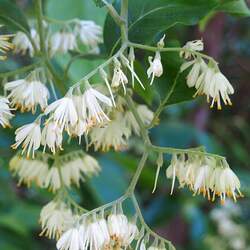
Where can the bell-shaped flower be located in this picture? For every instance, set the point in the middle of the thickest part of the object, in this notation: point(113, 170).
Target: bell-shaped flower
point(89, 33)
point(92, 99)
point(119, 78)
point(63, 112)
point(29, 136)
point(5, 112)
point(155, 69)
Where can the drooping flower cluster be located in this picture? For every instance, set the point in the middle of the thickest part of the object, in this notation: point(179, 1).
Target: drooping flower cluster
point(87, 32)
point(94, 231)
point(23, 44)
point(67, 170)
point(204, 175)
point(5, 45)
point(117, 132)
point(26, 94)
point(72, 113)
point(114, 231)
point(30, 171)
point(206, 78)
point(55, 218)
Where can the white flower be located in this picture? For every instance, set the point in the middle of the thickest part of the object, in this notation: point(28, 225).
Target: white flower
point(30, 136)
point(55, 218)
point(63, 112)
point(27, 93)
point(122, 232)
point(62, 42)
point(214, 85)
point(196, 45)
point(115, 134)
point(5, 112)
point(145, 114)
point(202, 178)
point(130, 66)
point(90, 166)
point(89, 33)
point(52, 136)
point(52, 180)
point(172, 171)
point(22, 43)
point(29, 171)
point(73, 239)
point(119, 78)
point(104, 76)
point(224, 182)
point(72, 172)
point(97, 234)
point(95, 112)
point(5, 45)
point(155, 69)
point(81, 127)
point(196, 74)
point(219, 88)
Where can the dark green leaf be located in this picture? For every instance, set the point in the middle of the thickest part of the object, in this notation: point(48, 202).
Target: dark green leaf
point(12, 16)
point(147, 18)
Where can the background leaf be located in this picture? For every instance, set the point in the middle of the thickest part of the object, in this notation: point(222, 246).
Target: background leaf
point(12, 16)
point(237, 8)
point(147, 18)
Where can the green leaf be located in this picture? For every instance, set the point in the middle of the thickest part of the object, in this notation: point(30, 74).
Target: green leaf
point(12, 16)
point(236, 7)
point(147, 18)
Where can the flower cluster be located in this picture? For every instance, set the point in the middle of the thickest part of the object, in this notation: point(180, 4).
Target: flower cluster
point(86, 32)
point(109, 122)
point(5, 45)
point(203, 174)
point(68, 169)
point(26, 94)
point(117, 132)
point(206, 78)
point(108, 230)
point(72, 113)
point(95, 232)
point(55, 218)
point(23, 45)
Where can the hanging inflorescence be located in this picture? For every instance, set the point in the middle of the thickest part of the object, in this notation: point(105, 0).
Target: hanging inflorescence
point(106, 116)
